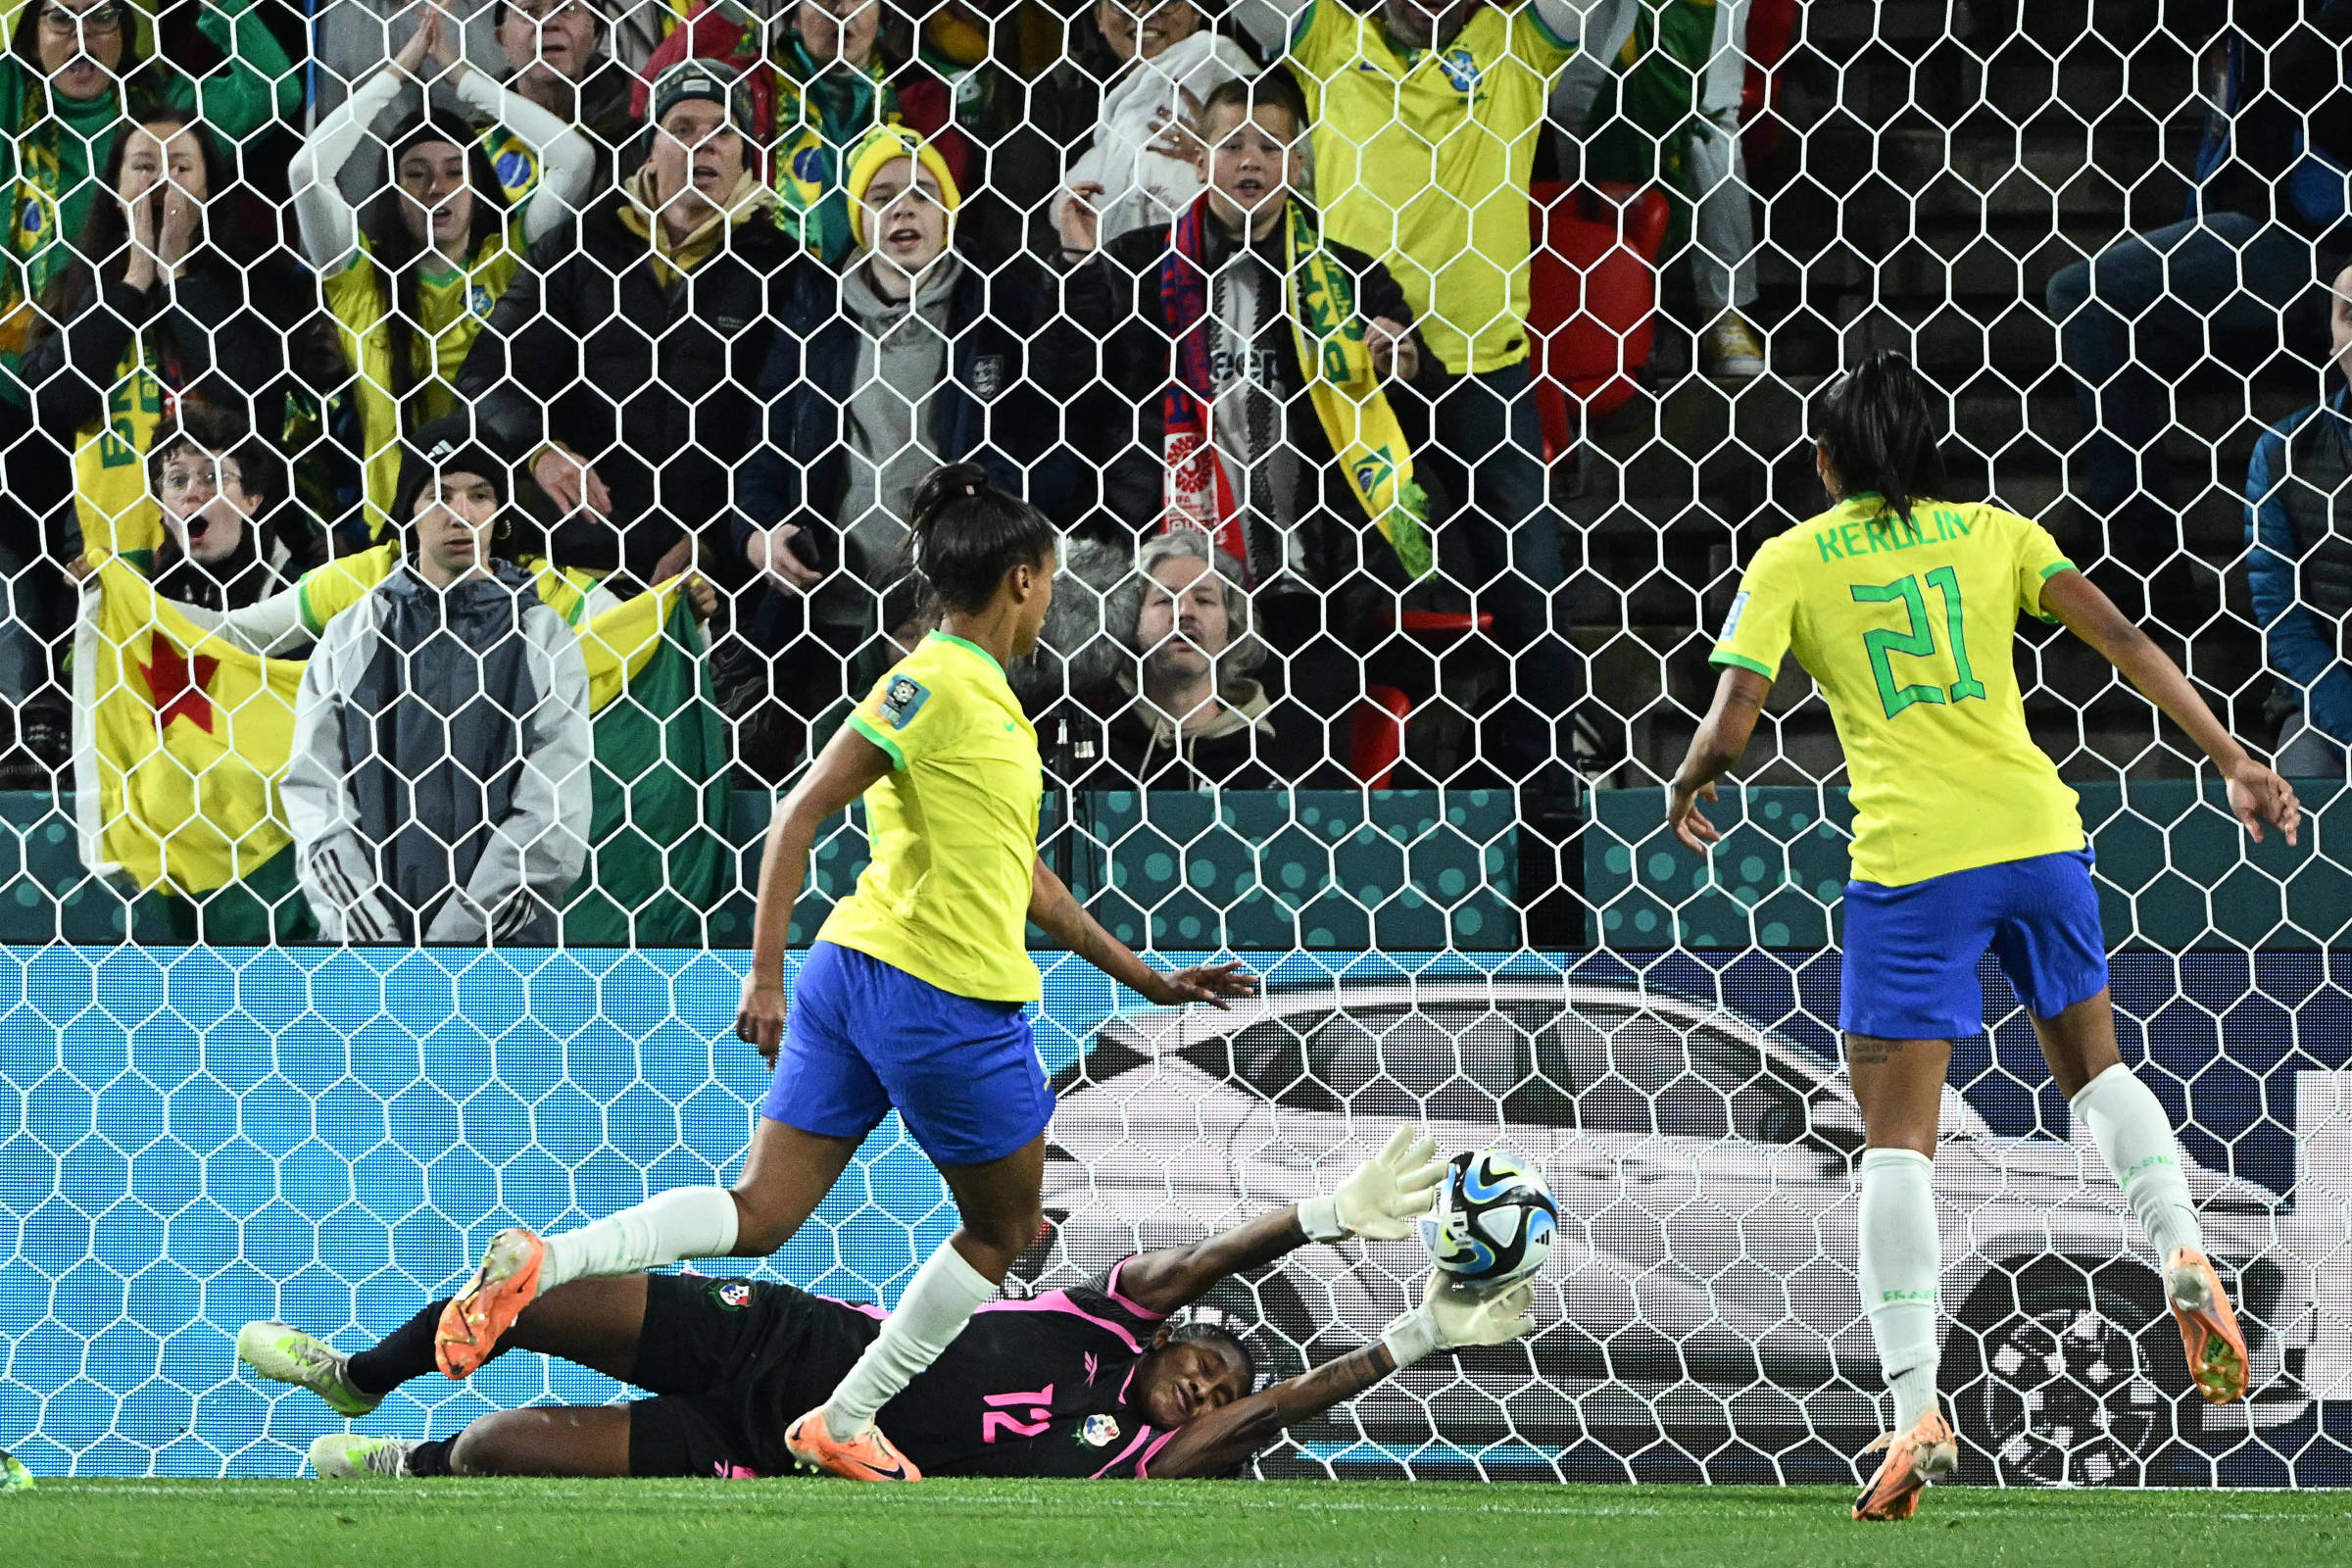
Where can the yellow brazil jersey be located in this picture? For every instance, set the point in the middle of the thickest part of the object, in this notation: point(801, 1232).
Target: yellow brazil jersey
point(953, 827)
point(1908, 628)
point(454, 306)
point(111, 500)
point(1423, 159)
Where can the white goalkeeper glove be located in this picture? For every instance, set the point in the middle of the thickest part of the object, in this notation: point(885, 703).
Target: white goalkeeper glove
point(1383, 1198)
point(1447, 1319)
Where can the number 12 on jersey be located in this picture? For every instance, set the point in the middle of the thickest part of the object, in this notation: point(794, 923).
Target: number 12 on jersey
point(1918, 642)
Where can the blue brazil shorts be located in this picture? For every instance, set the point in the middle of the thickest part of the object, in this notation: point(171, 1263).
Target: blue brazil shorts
point(1911, 953)
point(864, 1036)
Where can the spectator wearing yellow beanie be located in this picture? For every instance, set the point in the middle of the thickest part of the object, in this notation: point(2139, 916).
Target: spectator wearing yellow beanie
point(886, 146)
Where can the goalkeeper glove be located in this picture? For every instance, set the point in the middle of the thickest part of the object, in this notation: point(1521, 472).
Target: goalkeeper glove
point(1447, 1319)
point(1383, 1198)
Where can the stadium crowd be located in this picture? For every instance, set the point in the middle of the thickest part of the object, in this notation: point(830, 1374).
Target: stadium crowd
point(697, 296)
point(1237, 294)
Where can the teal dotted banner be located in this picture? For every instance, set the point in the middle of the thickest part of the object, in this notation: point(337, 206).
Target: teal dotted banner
point(2174, 870)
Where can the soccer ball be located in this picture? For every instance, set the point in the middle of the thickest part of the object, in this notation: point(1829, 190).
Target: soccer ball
point(1496, 1223)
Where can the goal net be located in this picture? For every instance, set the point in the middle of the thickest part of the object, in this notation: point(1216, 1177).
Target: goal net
point(1409, 384)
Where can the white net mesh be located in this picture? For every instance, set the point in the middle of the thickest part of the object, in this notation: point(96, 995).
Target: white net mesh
point(1397, 519)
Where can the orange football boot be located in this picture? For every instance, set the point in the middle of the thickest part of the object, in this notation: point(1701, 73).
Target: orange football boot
point(506, 1282)
point(1926, 1453)
point(868, 1456)
point(2209, 1331)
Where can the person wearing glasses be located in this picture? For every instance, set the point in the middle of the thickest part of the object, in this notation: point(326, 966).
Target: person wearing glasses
point(77, 76)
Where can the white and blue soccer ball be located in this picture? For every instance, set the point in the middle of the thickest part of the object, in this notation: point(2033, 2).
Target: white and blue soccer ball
point(1495, 1224)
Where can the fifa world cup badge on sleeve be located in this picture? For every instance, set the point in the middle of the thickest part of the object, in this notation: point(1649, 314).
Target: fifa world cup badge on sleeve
point(902, 700)
point(1731, 620)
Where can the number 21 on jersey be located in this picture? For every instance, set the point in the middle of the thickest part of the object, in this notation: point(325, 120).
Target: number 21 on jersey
point(1920, 642)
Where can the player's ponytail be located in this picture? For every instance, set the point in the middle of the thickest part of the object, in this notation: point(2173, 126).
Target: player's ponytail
point(964, 535)
point(1880, 427)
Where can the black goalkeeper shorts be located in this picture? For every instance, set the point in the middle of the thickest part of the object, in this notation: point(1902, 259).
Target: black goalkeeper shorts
point(732, 1363)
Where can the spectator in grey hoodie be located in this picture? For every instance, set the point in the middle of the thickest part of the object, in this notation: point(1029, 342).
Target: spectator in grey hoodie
point(439, 786)
point(927, 350)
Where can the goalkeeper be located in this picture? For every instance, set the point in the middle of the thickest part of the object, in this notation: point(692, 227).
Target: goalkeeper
point(1903, 609)
point(1093, 1381)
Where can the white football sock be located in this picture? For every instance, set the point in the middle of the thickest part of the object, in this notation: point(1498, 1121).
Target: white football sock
point(668, 1227)
point(2127, 1122)
point(939, 1301)
point(1902, 1260)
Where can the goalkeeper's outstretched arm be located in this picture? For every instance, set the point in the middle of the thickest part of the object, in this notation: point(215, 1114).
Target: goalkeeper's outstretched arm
point(1447, 1319)
point(1379, 1202)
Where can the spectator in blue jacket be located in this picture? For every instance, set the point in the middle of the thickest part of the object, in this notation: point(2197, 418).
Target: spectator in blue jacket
point(2299, 563)
point(2268, 214)
point(921, 353)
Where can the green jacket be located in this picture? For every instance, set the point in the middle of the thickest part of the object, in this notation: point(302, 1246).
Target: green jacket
point(53, 157)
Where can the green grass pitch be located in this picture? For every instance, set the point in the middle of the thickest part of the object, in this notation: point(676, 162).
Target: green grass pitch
point(1028, 1524)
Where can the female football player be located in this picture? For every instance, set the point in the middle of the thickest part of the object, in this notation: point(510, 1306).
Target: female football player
point(912, 996)
point(1902, 607)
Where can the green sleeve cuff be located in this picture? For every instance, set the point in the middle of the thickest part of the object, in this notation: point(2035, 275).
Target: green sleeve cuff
point(1742, 661)
point(1566, 46)
point(858, 722)
point(302, 602)
point(2047, 572)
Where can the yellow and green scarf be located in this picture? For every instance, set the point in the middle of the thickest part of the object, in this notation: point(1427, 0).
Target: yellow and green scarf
point(1349, 401)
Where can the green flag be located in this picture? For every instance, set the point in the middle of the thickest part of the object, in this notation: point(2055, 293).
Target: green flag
point(658, 850)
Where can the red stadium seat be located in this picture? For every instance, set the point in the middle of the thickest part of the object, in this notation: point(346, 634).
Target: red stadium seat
point(1771, 27)
point(1435, 622)
point(1376, 735)
point(1594, 291)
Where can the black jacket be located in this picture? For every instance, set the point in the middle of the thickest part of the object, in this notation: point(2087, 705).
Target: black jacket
point(652, 384)
point(1115, 298)
point(1011, 369)
point(206, 336)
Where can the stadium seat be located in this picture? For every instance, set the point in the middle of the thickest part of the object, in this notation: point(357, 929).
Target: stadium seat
point(1376, 735)
point(1592, 292)
point(1771, 29)
point(1428, 623)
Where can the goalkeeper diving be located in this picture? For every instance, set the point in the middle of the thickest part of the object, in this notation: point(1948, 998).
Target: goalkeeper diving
point(1092, 1381)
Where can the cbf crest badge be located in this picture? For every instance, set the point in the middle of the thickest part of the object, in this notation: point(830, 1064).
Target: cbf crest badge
point(1099, 1431)
point(1462, 69)
point(901, 699)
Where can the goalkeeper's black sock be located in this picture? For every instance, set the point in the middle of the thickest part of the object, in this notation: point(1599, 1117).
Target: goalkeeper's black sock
point(405, 1353)
point(431, 1458)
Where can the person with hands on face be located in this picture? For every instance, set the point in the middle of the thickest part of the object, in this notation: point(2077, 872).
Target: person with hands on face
point(161, 316)
point(1142, 166)
point(911, 998)
point(410, 282)
point(1124, 1390)
point(1903, 608)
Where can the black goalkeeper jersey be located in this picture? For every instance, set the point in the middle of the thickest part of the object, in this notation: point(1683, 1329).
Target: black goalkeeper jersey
point(1035, 1388)
point(1030, 1388)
